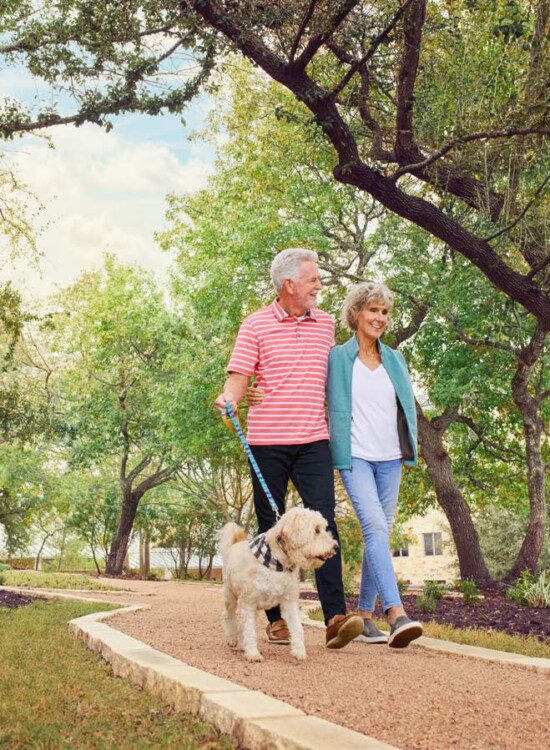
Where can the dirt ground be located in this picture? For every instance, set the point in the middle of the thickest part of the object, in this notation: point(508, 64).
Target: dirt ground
point(414, 698)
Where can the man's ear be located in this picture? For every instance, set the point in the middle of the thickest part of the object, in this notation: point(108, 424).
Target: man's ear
point(288, 286)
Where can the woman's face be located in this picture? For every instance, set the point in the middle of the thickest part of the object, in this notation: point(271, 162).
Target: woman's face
point(372, 320)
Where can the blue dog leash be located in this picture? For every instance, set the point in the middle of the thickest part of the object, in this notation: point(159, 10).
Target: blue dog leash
point(229, 411)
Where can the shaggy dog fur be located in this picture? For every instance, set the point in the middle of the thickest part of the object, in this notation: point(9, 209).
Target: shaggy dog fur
point(299, 540)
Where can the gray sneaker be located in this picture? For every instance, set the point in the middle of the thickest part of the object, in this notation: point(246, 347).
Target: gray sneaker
point(403, 631)
point(371, 634)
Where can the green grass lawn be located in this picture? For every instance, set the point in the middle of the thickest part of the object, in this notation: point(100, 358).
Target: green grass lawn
point(527, 645)
point(55, 694)
point(43, 580)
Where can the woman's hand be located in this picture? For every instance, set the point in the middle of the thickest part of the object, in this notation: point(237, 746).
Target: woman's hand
point(254, 395)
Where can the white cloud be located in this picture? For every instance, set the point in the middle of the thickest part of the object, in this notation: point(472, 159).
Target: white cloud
point(102, 192)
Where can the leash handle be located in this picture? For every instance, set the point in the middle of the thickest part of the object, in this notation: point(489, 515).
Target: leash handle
point(238, 429)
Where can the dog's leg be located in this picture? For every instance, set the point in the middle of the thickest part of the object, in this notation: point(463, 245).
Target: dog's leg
point(249, 637)
point(230, 618)
point(290, 610)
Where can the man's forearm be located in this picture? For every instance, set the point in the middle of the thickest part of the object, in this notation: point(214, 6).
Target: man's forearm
point(236, 384)
point(233, 391)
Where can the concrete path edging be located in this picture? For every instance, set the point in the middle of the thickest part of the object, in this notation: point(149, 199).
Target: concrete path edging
point(253, 720)
point(538, 663)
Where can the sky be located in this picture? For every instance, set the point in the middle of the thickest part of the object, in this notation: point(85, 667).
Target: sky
point(103, 192)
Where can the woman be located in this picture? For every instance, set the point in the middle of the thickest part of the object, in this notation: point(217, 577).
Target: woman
point(372, 424)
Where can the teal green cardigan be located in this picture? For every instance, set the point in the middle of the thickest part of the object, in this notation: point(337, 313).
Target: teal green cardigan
point(340, 369)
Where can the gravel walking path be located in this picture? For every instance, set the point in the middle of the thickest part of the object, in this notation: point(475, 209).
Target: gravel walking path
point(414, 698)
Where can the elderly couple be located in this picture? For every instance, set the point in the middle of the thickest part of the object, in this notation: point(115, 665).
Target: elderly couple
point(288, 347)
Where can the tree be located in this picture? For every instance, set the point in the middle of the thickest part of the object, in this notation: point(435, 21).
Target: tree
point(117, 390)
point(188, 528)
point(94, 511)
point(393, 91)
point(269, 191)
point(21, 483)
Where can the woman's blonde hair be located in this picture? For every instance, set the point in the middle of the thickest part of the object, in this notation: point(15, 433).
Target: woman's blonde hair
point(361, 295)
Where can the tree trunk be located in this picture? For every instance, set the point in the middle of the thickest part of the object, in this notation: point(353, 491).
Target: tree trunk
point(144, 553)
point(119, 547)
point(62, 547)
point(529, 407)
point(92, 548)
point(39, 553)
point(470, 556)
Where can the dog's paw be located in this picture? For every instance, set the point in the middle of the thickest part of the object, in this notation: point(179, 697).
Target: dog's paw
point(299, 655)
point(232, 642)
point(253, 656)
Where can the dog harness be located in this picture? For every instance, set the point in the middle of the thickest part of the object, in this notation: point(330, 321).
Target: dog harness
point(262, 552)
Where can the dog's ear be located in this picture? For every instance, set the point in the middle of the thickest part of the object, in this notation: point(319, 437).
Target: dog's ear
point(281, 540)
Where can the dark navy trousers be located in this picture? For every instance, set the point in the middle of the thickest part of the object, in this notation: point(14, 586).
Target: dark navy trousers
point(309, 467)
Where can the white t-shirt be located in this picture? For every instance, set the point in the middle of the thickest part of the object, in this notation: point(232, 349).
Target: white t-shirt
point(373, 415)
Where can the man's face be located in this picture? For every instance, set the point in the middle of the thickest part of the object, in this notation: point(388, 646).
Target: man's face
point(305, 289)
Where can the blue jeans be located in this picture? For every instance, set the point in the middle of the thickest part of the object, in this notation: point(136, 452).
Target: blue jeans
point(373, 487)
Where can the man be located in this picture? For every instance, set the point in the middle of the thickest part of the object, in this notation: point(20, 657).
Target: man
point(286, 346)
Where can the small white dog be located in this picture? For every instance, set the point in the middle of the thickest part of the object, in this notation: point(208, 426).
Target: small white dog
point(265, 572)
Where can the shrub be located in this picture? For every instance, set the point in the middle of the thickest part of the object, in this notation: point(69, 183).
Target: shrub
point(426, 603)
point(434, 589)
point(348, 579)
point(4, 566)
point(2, 579)
point(531, 591)
point(20, 563)
point(470, 592)
point(402, 586)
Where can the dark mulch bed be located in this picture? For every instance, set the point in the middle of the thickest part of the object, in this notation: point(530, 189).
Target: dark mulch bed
point(13, 600)
point(495, 612)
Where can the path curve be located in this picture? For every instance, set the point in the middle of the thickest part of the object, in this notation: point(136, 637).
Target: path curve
point(415, 699)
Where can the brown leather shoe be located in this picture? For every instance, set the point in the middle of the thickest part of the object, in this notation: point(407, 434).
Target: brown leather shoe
point(343, 630)
point(277, 632)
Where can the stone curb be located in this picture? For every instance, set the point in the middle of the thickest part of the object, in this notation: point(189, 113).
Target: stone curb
point(110, 592)
point(64, 594)
point(537, 663)
point(253, 720)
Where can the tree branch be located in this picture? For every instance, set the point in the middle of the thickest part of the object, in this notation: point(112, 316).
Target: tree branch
point(479, 342)
point(446, 419)
point(519, 218)
point(376, 42)
point(488, 134)
point(317, 41)
point(306, 19)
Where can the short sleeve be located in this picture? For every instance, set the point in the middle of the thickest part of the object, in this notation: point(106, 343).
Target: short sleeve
point(245, 355)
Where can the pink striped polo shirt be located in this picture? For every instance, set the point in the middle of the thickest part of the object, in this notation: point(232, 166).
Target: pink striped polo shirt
point(289, 358)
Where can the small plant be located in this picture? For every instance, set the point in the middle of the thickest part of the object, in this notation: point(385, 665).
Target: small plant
point(2, 579)
point(470, 592)
point(152, 575)
point(402, 586)
point(434, 589)
point(348, 579)
point(3, 567)
point(530, 591)
point(426, 603)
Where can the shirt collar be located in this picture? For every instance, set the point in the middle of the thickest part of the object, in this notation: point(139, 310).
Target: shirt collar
point(281, 314)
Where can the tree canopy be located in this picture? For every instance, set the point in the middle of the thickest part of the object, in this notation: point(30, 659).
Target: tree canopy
point(423, 106)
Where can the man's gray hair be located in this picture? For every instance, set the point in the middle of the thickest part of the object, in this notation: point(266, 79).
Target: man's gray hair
point(286, 264)
point(359, 296)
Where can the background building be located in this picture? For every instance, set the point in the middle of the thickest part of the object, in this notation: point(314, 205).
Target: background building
point(430, 553)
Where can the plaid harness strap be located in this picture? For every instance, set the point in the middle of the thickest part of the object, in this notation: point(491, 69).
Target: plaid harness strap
point(262, 552)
